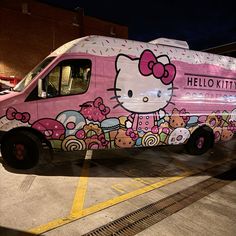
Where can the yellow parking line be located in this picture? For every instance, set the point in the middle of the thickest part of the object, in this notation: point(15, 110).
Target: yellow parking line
point(51, 225)
point(100, 206)
point(118, 187)
point(80, 193)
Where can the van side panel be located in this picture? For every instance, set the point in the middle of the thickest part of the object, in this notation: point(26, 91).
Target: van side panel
point(141, 95)
point(205, 84)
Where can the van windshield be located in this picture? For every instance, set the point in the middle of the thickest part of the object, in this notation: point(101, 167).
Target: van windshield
point(31, 75)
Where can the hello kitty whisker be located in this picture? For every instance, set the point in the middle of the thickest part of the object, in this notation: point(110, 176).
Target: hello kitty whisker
point(172, 95)
point(172, 88)
point(171, 103)
point(114, 89)
point(119, 104)
point(115, 97)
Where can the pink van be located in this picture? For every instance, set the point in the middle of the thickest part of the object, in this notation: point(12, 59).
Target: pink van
point(100, 92)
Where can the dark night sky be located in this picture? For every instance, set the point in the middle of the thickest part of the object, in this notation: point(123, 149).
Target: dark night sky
point(202, 24)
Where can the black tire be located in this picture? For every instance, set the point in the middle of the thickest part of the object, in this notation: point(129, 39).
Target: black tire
point(21, 149)
point(200, 141)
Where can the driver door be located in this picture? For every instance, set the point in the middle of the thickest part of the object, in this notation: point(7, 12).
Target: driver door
point(66, 87)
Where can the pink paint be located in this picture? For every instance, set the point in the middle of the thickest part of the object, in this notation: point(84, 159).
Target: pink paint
point(204, 84)
point(138, 95)
point(150, 65)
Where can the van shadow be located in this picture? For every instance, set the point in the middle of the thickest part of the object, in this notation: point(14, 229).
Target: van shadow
point(152, 162)
point(11, 232)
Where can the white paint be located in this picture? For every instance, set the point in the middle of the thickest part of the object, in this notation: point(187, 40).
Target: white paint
point(107, 46)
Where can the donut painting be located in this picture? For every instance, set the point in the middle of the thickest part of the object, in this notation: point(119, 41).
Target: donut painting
point(119, 93)
point(76, 130)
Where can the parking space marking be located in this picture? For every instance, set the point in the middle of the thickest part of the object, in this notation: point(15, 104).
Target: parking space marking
point(132, 183)
point(135, 182)
point(103, 205)
point(118, 187)
point(79, 198)
point(186, 170)
point(111, 202)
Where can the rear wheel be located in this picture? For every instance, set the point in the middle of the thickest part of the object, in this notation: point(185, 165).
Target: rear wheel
point(21, 149)
point(200, 141)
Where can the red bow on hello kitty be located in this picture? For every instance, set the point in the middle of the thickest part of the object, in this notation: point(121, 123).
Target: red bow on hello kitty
point(13, 114)
point(98, 102)
point(148, 65)
point(132, 134)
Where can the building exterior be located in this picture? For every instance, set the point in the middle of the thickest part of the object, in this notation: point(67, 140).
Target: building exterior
point(30, 30)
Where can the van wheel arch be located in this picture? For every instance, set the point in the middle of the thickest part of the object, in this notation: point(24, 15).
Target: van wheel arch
point(203, 134)
point(32, 142)
point(35, 132)
point(210, 130)
point(21, 149)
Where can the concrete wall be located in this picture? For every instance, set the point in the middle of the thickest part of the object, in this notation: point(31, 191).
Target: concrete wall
point(30, 30)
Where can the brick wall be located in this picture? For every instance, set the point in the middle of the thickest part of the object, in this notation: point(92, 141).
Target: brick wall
point(26, 38)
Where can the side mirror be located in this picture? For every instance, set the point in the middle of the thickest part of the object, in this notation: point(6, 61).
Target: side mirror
point(41, 93)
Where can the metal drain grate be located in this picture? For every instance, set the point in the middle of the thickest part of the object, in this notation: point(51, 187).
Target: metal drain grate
point(149, 215)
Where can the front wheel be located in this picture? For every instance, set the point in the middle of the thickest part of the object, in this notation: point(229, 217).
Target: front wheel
point(200, 141)
point(21, 149)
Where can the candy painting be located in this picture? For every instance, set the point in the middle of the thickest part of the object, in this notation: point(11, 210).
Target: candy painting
point(73, 130)
point(136, 95)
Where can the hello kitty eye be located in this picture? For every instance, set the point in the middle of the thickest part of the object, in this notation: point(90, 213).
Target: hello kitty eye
point(130, 93)
point(159, 93)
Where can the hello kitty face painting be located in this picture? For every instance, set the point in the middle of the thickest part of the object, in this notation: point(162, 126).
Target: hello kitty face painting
point(144, 85)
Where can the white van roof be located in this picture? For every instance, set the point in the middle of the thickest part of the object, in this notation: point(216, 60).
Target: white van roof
point(107, 46)
point(170, 42)
point(111, 47)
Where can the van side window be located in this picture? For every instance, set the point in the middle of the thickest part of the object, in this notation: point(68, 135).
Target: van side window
point(68, 78)
point(52, 82)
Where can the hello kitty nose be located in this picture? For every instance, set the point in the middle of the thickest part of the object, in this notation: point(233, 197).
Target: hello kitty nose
point(145, 99)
